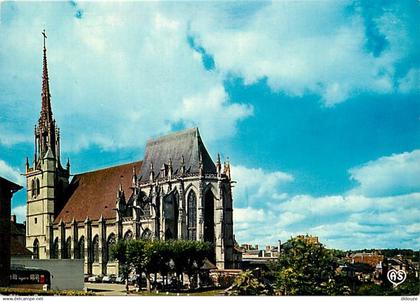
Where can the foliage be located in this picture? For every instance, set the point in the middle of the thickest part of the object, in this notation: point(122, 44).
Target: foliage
point(410, 287)
point(307, 268)
point(119, 252)
point(26, 291)
point(159, 256)
point(372, 289)
point(246, 284)
point(205, 292)
point(225, 280)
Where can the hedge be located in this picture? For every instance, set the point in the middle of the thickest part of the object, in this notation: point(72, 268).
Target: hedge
point(27, 291)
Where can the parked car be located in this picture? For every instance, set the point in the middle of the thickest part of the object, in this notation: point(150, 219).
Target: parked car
point(86, 277)
point(95, 278)
point(132, 280)
point(109, 278)
point(119, 279)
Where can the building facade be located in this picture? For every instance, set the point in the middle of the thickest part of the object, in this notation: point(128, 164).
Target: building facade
point(175, 192)
point(7, 189)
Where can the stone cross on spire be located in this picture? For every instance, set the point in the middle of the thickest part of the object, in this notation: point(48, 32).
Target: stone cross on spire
point(45, 36)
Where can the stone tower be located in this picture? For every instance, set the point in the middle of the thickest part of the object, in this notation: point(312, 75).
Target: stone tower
point(46, 179)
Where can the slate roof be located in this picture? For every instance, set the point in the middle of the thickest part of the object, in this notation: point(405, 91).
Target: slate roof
point(186, 143)
point(18, 249)
point(94, 193)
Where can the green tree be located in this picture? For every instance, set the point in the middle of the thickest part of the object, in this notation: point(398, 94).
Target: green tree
point(195, 252)
point(119, 252)
point(307, 268)
point(136, 256)
point(246, 284)
point(410, 287)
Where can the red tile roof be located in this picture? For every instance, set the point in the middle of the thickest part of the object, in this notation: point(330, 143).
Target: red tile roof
point(94, 193)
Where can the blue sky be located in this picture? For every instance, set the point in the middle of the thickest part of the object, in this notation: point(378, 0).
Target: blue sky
point(317, 104)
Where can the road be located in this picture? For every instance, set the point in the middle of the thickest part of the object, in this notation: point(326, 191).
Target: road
point(107, 289)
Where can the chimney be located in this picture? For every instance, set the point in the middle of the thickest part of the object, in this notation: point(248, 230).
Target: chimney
point(279, 246)
point(13, 218)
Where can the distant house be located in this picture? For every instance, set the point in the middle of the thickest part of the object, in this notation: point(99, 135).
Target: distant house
point(17, 240)
point(372, 259)
point(7, 189)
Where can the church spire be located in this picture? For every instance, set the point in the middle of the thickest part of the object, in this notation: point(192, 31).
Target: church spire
point(46, 111)
point(47, 134)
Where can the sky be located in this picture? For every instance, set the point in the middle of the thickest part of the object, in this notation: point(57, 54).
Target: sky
point(315, 103)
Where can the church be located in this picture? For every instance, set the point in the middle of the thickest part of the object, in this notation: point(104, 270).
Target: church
point(176, 192)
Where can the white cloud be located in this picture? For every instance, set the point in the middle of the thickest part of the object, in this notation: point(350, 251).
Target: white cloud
point(411, 82)
point(11, 173)
point(369, 216)
point(395, 174)
point(125, 72)
point(339, 221)
point(299, 52)
point(20, 212)
point(118, 76)
point(256, 187)
point(210, 109)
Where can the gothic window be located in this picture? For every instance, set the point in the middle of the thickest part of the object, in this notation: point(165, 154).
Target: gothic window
point(209, 217)
point(95, 248)
point(33, 188)
point(192, 216)
point(147, 234)
point(81, 248)
point(54, 249)
point(146, 213)
point(109, 244)
point(66, 249)
point(36, 249)
point(128, 235)
point(170, 213)
point(37, 187)
point(168, 234)
point(129, 208)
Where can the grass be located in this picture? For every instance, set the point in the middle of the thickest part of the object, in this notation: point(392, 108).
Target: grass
point(26, 292)
point(212, 292)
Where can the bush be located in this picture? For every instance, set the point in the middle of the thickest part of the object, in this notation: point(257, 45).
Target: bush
point(246, 284)
point(225, 281)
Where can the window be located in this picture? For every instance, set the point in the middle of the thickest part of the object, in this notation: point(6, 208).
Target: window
point(68, 248)
point(192, 216)
point(37, 187)
point(33, 188)
point(36, 249)
point(35, 220)
point(209, 217)
point(128, 235)
point(147, 234)
point(80, 254)
point(110, 243)
point(54, 249)
point(95, 248)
